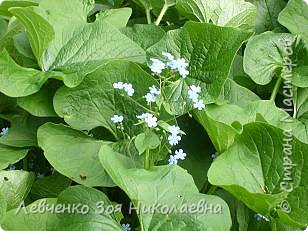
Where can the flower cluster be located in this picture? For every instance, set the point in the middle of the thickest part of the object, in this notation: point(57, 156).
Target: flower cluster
point(179, 155)
point(151, 96)
point(193, 94)
point(174, 137)
point(117, 119)
point(149, 119)
point(127, 87)
point(260, 217)
point(4, 131)
point(180, 65)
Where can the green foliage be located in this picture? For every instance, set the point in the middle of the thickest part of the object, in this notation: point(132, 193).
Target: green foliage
point(153, 115)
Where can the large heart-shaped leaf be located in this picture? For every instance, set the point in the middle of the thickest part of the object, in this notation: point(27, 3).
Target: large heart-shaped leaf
point(209, 57)
point(295, 18)
point(258, 170)
point(230, 13)
point(264, 56)
point(164, 186)
point(223, 123)
point(62, 39)
point(73, 154)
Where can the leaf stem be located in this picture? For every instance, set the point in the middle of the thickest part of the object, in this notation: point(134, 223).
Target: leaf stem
point(276, 89)
point(25, 163)
point(147, 159)
point(212, 190)
point(148, 13)
point(161, 14)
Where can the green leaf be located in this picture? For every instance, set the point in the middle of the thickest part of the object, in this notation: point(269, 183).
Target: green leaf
point(22, 44)
point(22, 132)
point(209, 57)
point(301, 104)
point(63, 220)
point(234, 93)
point(224, 123)
point(27, 221)
point(50, 186)
point(10, 155)
point(230, 13)
point(254, 168)
point(17, 81)
point(40, 104)
point(93, 219)
point(3, 206)
point(15, 186)
point(66, 149)
point(267, 14)
point(295, 18)
point(197, 10)
point(146, 4)
point(3, 27)
point(266, 56)
point(95, 101)
point(116, 17)
point(147, 141)
point(164, 185)
point(75, 47)
point(144, 35)
point(7, 4)
point(300, 77)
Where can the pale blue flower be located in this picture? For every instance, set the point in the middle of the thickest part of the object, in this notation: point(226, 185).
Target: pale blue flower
point(154, 90)
point(149, 119)
point(183, 72)
point(172, 160)
point(118, 85)
point(150, 98)
point(174, 130)
point(12, 167)
point(199, 105)
point(180, 154)
point(4, 131)
point(126, 227)
point(169, 56)
point(174, 139)
point(127, 87)
point(157, 66)
point(117, 119)
point(260, 217)
point(142, 116)
point(193, 93)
